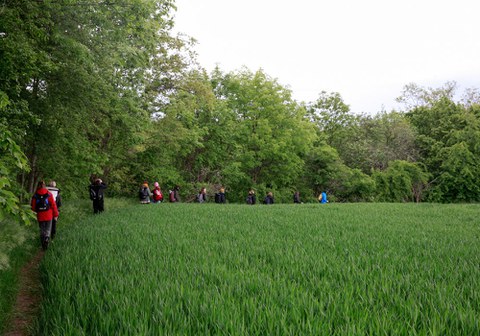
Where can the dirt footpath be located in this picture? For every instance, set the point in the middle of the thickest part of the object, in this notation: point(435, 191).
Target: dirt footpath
point(29, 296)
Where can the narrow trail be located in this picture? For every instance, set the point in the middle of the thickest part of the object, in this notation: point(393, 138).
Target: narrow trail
point(27, 306)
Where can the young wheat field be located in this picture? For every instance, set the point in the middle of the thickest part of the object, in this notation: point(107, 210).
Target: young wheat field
point(310, 269)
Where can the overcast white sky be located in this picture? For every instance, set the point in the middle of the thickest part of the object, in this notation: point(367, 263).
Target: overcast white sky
point(365, 50)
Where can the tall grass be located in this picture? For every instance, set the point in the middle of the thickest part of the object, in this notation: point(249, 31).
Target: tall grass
point(283, 269)
point(19, 243)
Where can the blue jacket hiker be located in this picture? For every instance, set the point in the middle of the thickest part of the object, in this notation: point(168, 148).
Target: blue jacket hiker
point(323, 198)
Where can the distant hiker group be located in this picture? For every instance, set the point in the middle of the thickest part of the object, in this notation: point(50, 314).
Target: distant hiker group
point(147, 196)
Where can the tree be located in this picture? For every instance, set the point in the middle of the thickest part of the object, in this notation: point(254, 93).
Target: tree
point(189, 142)
point(459, 179)
point(471, 97)
point(363, 142)
point(325, 171)
point(402, 181)
point(91, 73)
point(414, 95)
point(380, 139)
point(333, 119)
point(448, 138)
point(272, 132)
point(12, 158)
point(324, 168)
point(357, 187)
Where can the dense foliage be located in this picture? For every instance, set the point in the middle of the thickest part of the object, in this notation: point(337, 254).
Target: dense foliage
point(105, 89)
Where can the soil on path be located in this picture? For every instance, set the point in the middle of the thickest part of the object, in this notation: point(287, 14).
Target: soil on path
point(27, 307)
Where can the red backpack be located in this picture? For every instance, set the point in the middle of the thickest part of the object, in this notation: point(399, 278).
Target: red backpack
point(157, 195)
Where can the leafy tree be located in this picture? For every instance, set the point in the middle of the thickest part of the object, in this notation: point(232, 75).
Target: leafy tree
point(12, 158)
point(91, 72)
point(334, 121)
point(271, 131)
point(325, 171)
point(187, 141)
point(459, 179)
point(357, 187)
point(380, 139)
point(324, 168)
point(363, 142)
point(402, 181)
point(448, 137)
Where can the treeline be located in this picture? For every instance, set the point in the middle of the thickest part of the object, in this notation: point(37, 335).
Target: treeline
point(105, 88)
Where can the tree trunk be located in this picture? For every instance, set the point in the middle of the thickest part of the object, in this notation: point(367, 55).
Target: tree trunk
point(32, 175)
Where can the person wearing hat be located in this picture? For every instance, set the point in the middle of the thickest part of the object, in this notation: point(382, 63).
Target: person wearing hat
point(144, 193)
point(269, 198)
point(52, 188)
point(251, 198)
point(220, 196)
point(96, 195)
point(323, 198)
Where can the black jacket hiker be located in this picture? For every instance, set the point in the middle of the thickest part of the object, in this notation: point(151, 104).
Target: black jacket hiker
point(96, 195)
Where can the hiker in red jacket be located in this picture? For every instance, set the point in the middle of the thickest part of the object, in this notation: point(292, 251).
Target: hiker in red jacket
point(43, 204)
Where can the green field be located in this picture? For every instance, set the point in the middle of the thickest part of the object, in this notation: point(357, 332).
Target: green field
point(273, 270)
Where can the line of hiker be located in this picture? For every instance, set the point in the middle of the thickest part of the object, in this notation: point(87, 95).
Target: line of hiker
point(147, 196)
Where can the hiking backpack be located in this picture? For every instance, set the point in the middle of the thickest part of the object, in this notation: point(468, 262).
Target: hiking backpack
point(157, 195)
point(93, 194)
point(143, 193)
point(41, 202)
